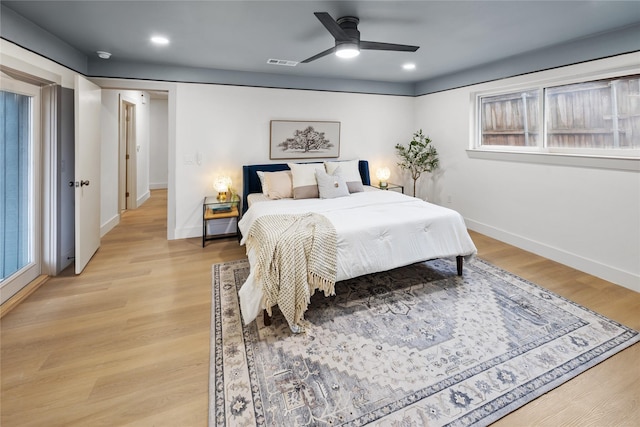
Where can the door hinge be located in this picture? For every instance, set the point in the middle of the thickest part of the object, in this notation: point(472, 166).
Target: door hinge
point(126, 194)
point(127, 157)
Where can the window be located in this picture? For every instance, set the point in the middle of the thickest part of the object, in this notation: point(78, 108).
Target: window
point(603, 114)
point(19, 188)
point(592, 117)
point(15, 128)
point(511, 119)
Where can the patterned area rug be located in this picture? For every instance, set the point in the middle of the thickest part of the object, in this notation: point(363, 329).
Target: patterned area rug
point(414, 346)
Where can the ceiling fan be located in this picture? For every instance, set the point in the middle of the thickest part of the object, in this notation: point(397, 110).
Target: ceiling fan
point(348, 44)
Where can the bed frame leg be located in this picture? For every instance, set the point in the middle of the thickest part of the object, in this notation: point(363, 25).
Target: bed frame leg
point(266, 318)
point(459, 262)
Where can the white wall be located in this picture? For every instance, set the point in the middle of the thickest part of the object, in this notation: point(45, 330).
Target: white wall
point(221, 128)
point(585, 217)
point(109, 207)
point(109, 212)
point(158, 143)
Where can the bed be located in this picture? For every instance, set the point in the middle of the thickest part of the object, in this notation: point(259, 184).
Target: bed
point(376, 230)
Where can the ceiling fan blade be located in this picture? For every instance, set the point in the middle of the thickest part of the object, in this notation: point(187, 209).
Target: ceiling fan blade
point(332, 26)
point(387, 46)
point(320, 55)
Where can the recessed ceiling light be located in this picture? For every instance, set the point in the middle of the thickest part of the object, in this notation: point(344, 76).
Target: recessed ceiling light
point(103, 55)
point(409, 66)
point(160, 40)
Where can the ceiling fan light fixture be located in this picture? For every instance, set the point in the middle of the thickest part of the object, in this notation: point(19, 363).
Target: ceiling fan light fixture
point(347, 39)
point(347, 50)
point(159, 40)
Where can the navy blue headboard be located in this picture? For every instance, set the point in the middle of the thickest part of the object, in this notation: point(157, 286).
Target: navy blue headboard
point(251, 182)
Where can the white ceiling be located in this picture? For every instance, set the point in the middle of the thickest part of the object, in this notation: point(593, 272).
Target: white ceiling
point(243, 35)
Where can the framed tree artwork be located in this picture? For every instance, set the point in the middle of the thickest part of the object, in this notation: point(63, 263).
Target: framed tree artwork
point(291, 139)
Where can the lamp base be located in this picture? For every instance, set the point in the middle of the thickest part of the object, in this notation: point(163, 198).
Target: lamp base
point(222, 196)
point(384, 185)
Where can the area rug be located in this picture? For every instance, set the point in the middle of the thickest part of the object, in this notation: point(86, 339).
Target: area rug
point(414, 346)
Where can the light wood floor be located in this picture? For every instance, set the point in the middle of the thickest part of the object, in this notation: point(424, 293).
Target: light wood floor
point(127, 341)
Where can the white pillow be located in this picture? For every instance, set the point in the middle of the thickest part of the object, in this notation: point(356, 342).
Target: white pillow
point(350, 173)
point(305, 185)
point(331, 186)
point(263, 183)
point(279, 184)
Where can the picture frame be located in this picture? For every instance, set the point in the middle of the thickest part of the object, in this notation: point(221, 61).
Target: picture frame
point(298, 139)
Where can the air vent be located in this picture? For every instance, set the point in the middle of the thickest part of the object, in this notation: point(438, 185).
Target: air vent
point(282, 62)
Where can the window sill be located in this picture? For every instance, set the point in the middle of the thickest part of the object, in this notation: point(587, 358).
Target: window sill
point(576, 160)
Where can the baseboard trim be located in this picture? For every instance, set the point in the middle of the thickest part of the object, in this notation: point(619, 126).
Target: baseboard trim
point(159, 186)
point(595, 268)
point(191, 232)
point(188, 233)
point(109, 225)
point(22, 294)
point(143, 199)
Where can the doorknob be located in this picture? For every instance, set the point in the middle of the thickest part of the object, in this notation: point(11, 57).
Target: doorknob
point(83, 183)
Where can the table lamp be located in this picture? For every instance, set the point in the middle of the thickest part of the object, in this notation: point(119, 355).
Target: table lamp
point(383, 175)
point(221, 185)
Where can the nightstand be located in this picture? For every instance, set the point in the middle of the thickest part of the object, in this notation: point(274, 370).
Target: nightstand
point(390, 186)
point(215, 210)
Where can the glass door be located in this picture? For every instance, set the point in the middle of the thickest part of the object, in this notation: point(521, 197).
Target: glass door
point(20, 216)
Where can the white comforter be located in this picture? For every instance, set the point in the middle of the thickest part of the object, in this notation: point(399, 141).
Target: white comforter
point(377, 231)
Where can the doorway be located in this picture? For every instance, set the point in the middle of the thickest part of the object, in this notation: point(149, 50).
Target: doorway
point(127, 194)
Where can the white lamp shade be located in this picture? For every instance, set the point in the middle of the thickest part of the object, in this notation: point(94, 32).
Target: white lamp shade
point(383, 174)
point(222, 184)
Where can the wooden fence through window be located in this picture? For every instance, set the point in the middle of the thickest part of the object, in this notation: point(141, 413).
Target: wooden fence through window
point(603, 114)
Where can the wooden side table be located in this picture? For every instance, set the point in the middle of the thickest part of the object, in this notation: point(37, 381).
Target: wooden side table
point(212, 210)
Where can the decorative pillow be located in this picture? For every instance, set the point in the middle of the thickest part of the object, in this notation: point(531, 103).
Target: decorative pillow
point(331, 186)
point(280, 184)
point(305, 185)
point(263, 183)
point(350, 173)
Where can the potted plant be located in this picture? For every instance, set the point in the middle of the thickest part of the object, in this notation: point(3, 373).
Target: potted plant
point(418, 157)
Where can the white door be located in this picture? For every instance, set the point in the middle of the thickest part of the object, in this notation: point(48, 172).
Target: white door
point(88, 104)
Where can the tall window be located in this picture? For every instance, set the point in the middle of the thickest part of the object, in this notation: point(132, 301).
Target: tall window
point(15, 129)
point(598, 115)
point(19, 187)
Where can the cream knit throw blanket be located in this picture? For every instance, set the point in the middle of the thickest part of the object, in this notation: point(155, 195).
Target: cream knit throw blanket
point(296, 254)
